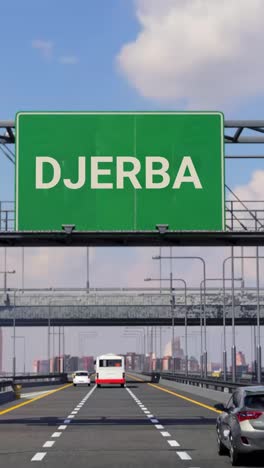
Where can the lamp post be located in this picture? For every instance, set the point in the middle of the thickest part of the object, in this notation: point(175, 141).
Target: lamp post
point(171, 279)
point(217, 279)
point(87, 269)
point(232, 257)
point(203, 354)
point(24, 350)
point(14, 334)
point(5, 273)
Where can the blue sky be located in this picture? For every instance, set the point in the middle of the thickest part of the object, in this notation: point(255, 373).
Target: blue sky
point(40, 37)
point(58, 55)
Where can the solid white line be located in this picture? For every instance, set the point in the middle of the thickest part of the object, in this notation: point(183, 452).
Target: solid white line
point(38, 456)
point(165, 434)
point(56, 434)
point(173, 443)
point(159, 426)
point(49, 443)
point(184, 456)
point(61, 428)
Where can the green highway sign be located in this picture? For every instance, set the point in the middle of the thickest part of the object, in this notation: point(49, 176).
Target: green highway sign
point(112, 171)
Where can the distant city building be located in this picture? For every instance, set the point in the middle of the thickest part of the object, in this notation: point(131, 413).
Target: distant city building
point(194, 365)
point(214, 366)
point(178, 351)
point(130, 359)
point(166, 363)
point(86, 363)
point(240, 359)
point(43, 366)
point(71, 364)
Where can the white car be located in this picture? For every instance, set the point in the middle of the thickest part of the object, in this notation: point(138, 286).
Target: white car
point(81, 377)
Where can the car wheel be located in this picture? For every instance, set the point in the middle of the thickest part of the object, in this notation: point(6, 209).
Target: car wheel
point(234, 454)
point(98, 385)
point(89, 384)
point(222, 450)
point(74, 384)
point(122, 385)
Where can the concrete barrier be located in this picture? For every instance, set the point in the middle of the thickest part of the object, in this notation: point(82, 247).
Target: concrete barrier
point(7, 395)
point(214, 395)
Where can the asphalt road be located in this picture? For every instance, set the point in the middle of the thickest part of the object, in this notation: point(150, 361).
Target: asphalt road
point(110, 427)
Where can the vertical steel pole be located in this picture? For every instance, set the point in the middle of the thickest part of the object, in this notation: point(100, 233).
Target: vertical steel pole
point(63, 349)
point(201, 335)
point(24, 355)
point(160, 353)
point(172, 322)
point(87, 269)
point(185, 329)
point(14, 336)
point(23, 268)
point(258, 320)
point(224, 326)
point(204, 313)
point(5, 273)
point(242, 271)
point(59, 349)
point(49, 336)
point(54, 351)
point(255, 350)
point(160, 268)
point(233, 319)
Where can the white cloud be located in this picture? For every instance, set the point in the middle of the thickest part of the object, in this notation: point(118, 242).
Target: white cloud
point(45, 47)
point(203, 53)
point(68, 60)
point(254, 189)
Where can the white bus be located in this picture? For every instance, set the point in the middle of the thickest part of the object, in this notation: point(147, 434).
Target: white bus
point(110, 369)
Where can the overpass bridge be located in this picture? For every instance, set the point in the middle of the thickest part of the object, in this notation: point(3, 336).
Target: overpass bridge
point(131, 307)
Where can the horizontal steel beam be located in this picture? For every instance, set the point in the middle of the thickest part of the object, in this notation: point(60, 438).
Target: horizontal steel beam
point(124, 322)
point(131, 239)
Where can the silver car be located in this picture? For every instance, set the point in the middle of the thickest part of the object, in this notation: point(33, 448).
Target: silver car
point(240, 426)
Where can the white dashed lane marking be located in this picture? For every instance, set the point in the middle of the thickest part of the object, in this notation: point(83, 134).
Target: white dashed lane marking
point(184, 456)
point(56, 434)
point(38, 456)
point(173, 443)
point(49, 443)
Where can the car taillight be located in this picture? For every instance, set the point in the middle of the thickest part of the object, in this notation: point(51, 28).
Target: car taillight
point(246, 415)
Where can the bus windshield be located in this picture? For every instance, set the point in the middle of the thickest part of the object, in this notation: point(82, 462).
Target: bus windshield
point(110, 363)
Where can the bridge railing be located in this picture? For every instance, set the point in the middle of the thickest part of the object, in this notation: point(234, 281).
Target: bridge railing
point(214, 383)
point(240, 215)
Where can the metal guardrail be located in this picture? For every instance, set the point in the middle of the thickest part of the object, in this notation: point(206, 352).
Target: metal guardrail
point(4, 384)
point(34, 379)
point(214, 383)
